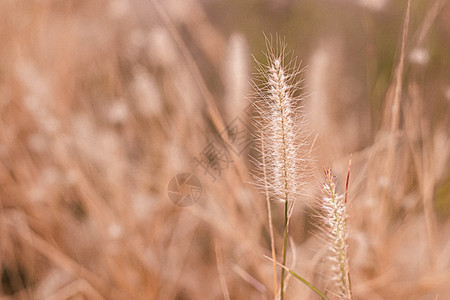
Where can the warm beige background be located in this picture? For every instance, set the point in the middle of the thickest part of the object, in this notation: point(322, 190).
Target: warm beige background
point(102, 103)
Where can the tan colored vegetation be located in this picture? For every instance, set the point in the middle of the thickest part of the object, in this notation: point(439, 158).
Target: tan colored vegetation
point(102, 103)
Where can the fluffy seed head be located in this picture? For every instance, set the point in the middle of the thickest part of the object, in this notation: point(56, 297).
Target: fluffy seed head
point(334, 220)
point(280, 130)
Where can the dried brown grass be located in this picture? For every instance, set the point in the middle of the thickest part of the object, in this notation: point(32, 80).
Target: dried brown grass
point(103, 102)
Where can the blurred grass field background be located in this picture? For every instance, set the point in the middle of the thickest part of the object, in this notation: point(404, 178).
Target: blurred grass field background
point(103, 102)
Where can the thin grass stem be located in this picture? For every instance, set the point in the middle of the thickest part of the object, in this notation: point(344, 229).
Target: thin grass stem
point(303, 280)
point(269, 212)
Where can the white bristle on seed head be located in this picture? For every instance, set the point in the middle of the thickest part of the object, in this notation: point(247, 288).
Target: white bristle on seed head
point(280, 126)
point(334, 222)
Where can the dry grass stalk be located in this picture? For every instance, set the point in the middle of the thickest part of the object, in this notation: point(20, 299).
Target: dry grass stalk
point(100, 110)
point(279, 131)
point(334, 219)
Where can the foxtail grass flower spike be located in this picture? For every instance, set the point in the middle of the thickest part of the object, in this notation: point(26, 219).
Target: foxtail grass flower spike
point(280, 135)
point(280, 124)
point(334, 219)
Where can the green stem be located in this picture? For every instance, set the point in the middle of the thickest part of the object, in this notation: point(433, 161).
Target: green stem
point(310, 285)
point(306, 282)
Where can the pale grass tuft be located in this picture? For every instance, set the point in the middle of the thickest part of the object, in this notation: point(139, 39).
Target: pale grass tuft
point(280, 136)
point(280, 125)
point(236, 74)
point(146, 91)
point(334, 219)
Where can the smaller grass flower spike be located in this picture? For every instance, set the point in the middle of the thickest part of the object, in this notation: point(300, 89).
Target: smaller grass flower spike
point(334, 219)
